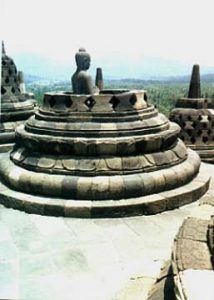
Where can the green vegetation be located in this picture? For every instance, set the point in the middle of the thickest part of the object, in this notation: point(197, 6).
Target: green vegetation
point(163, 94)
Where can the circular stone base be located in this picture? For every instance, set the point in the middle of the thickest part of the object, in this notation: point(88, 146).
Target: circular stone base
point(145, 205)
point(6, 147)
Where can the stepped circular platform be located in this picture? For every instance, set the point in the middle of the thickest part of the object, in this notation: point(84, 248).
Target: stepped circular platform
point(98, 156)
point(15, 107)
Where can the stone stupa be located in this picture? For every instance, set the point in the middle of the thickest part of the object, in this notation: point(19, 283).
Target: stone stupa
point(195, 116)
point(91, 154)
point(15, 106)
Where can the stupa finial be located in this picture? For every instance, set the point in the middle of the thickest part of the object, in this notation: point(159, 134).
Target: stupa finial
point(99, 79)
point(3, 48)
point(195, 86)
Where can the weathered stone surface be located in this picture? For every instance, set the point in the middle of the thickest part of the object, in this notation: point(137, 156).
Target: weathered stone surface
point(192, 254)
point(16, 107)
point(192, 258)
point(195, 117)
point(194, 229)
point(111, 148)
point(163, 289)
point(147, 205)
point(81, 81)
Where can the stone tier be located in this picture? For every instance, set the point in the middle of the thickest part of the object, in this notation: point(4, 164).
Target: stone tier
point(82, 184)
point(115, 115)
point(76, 164)
point(194, 103)
point(54, 206)
point(192, 260)
point(129, 128)
point(56, 143)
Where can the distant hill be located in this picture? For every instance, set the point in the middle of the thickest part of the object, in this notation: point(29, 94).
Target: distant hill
point(143, 68)
point(32, 78)
point(206, 78)
point(209, 78)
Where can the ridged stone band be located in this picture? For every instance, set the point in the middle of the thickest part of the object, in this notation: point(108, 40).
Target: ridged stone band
point(99, 187)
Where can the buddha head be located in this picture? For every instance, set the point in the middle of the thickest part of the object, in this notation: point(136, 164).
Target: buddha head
point(82, 59)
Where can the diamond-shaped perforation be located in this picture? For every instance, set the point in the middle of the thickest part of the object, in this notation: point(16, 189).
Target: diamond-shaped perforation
point(52, 101)
point(13, 90)
point(199, 133)
point(3, 90)
point(68, 102)
point(193, 140)
point(133, 99)
point(114, 102)
point(189, 132)
point(205, 139)
point(90, 102)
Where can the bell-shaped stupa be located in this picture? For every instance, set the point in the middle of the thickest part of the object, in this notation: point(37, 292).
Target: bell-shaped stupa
point(100, 154)
point(195, 116)
point(15, 107)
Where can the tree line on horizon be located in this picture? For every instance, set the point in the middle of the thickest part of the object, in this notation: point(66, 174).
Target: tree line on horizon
point(162, 94)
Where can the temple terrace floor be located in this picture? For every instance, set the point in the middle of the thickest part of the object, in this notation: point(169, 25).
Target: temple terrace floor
point(48, 258)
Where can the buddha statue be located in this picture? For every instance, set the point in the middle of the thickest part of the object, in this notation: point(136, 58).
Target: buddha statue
point(81, 80)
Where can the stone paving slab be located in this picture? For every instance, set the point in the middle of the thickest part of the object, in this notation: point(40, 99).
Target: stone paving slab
point(57, 255)
point(101, 259)
point(198, 284)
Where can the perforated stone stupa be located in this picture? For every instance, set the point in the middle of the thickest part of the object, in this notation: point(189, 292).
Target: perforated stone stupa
point(15, 107)
point(98, 155)
point(195, 116)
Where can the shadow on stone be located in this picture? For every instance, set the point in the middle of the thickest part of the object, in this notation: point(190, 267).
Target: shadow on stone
point(163, 289)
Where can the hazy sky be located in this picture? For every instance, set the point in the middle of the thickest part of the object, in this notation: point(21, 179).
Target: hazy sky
point(178, 29)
